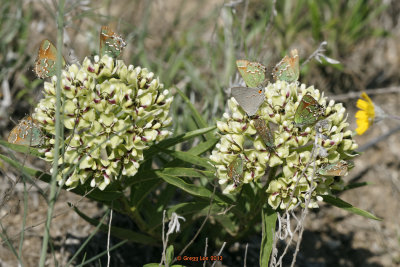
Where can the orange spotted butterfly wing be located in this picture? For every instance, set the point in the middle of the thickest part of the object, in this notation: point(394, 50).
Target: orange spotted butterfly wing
point(45, 64)
point(288, 68)
point(26, 133)
point(111, 44)
point(253, 73)
point(336, 169)
point(235, 170)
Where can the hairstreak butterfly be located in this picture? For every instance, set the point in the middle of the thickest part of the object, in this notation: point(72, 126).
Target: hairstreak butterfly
point(235, 170)
point(110, 43)
point(308, 112)
point(288, 68)
point(249, 98)
point(26, 133)
point(253, 73)
point(336, 169)
point(265, 133)
point(45, 64)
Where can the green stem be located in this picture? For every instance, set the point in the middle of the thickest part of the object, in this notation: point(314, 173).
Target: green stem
point(23, 222)
point(133, 213)
point(53, 183)
point(261, 197)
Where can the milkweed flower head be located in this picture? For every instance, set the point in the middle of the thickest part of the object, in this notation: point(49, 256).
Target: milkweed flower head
point(243, 155)
point(111, 113)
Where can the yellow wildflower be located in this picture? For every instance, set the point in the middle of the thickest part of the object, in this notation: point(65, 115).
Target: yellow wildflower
point(366, 115)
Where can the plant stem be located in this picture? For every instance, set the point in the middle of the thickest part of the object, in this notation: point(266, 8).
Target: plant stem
point(53, 183)
point(393, 117)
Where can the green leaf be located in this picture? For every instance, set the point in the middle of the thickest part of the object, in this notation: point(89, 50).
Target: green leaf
point(188, 172)
point(335, 201)
point(118, 232)
point(176, 140)
point(269, 217)
point(197, 150)
point(33, 151)
point(199, 207)
point(187, 208)
point(204, 146)
point(191, 188)
point(189, 158)
point(315, 20)
point(141, 190)
point(198, 118)
point(356, 185)
point(170, 254)
point(228, 222)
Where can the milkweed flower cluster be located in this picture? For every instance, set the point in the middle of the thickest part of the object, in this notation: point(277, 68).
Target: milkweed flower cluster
point(290, 153)
point(111, 113)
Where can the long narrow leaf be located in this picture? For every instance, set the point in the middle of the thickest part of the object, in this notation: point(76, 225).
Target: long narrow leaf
point(335, 201)
point(189, 158)
point(269, 217)
point(188, 172)
point(176, 140)
point(198, 118)
point(23, 149)
point(192, 189)
point(204, 146)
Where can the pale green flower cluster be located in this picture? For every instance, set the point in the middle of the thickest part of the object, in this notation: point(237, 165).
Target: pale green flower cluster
point(292, 146)
point(111, 113)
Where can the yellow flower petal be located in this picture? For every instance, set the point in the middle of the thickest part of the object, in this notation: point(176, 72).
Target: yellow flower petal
point(362, 126)
point(366, 97)
point(365, 116)
point(361, 115)
point(361, 104)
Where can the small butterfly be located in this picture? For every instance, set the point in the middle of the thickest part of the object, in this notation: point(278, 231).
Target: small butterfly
point(45, 64)
point(265, 133)
point(110, 43)
point(253, 73)
point(288, 68)
point(235, 170)
point(336, 169)
point(26, 133)
point(308, 112)
point(249, 98)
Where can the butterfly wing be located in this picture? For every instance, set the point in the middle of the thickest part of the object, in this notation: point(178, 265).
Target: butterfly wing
point(45, 64)
point(265, 133)
point(308, 112)
point(337, 169)
point(26, 133)
point(235, 170)
point(253, 73)
point(288, 68)
point(110, 43)
point(249, 98)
